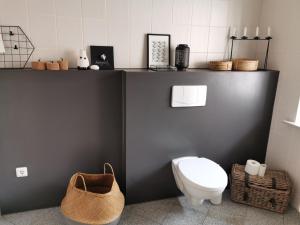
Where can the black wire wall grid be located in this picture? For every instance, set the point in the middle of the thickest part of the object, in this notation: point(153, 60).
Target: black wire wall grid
point(244, 38)
point(18, 48)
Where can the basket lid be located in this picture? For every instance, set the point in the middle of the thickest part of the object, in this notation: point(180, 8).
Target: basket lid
point(273, 179)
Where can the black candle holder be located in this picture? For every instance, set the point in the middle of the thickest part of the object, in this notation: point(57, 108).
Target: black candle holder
point(257, 38)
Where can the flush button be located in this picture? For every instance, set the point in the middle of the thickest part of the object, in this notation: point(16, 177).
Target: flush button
point(189, 96)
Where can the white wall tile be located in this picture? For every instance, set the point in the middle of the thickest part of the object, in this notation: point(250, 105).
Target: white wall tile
point(182, 12)
point(118, 31)
point(198, 60)
point(68, 25)
point(162, 12)
point(14, 13)
point(41, 7)
point(138, 30)
point(181, 34)
point(201, 12)
point(219, 14)
point(69, 38)
point(215, 56)
point(43, 31)
point(69, 32)
point(218, 39)
point(95, 32)
point(68, 8)
point(94, 9)
point(199, 39)
point(45, 54)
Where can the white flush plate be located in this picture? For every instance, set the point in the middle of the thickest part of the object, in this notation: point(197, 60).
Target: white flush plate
point(21, 172)
point(189, 96)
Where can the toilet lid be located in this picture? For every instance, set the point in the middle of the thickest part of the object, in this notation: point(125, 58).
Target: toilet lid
point(204, 173)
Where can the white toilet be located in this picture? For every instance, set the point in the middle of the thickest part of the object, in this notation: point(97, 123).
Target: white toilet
point(199, 179)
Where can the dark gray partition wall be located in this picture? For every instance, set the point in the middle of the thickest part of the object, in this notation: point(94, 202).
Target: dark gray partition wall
point(56, 123)
point(232, 127)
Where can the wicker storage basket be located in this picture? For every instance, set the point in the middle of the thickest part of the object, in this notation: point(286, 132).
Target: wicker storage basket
point(271, 192)
point(220, 65)
point(93, 199)
point(245, 64)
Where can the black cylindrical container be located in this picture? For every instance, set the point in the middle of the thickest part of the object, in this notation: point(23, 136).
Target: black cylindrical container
point(182, 56)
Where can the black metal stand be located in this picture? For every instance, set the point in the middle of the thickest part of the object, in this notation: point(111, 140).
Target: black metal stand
point(268, 39)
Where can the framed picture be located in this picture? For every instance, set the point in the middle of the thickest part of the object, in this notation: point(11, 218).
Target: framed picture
point(103, 56)
point(158, 50)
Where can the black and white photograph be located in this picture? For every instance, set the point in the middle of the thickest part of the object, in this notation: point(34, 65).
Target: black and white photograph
point(158, 50)
point(102, 56)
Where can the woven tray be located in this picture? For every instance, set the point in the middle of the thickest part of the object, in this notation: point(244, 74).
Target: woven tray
point(245, 65)
point(220, 65)
point(271, 192)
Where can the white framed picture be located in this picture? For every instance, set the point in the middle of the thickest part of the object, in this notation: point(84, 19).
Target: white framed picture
point(158, 50)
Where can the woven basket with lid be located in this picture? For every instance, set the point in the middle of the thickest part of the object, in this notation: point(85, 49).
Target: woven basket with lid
point(271, 192)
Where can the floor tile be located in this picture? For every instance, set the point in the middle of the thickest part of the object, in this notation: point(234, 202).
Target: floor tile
point(228, 208)
point(230, 220)
point(4, 221)
point(291, 217)
point(134, 219)
point(173, 211)
point(180, 215)
point(257, 216)
point(155, 210)
point(51, 216)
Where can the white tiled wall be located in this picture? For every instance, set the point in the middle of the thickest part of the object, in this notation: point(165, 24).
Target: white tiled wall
point(284, 142)
point(59, 28)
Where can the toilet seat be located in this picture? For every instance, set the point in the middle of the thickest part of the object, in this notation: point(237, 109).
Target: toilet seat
point(198, 172)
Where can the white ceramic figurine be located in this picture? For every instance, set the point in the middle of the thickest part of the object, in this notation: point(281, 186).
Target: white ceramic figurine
point(83, 61)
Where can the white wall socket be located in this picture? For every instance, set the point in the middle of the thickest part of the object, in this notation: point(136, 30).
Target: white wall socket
point(21, 172)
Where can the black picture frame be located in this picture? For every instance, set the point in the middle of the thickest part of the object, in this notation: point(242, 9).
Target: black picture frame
point(103, 56)
point(164, 36)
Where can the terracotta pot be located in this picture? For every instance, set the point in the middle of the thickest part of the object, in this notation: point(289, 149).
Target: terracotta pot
point(38, 65)
point(52, 66)
point(63, 64)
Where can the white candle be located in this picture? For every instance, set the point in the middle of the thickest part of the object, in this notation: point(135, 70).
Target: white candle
point(245, 32)
point(2, 49)
point(298, 114)
point(257, 32)
point(269, 31)
point(233, 32)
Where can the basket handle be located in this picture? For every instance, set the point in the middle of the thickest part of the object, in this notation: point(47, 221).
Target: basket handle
point(110, 167)
point(83, 181)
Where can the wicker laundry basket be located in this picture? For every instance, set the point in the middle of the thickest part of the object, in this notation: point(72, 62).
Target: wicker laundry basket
point(271, 192)
point(93, 199)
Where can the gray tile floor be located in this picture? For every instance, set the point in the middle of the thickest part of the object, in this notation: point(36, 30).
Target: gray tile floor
point(174, 211)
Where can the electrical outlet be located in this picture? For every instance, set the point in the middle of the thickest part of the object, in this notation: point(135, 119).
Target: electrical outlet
point(21, 172)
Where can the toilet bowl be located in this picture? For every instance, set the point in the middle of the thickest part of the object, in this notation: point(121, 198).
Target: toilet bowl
point(199, 179)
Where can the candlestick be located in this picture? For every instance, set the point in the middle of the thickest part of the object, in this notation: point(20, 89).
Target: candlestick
point(257, 32)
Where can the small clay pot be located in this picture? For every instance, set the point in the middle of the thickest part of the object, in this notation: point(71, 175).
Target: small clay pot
point(38, 65)
point(63, 64)
point(52, 65)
